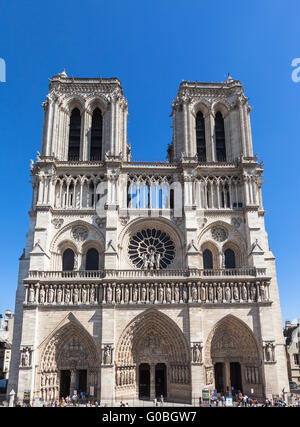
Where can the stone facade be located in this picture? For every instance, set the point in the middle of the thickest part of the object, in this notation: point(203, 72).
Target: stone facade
point(6, 333)
point(292, 336)
point(144, 278)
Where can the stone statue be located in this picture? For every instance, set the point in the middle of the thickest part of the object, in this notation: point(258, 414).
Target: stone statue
point(160, 294)
point(75, 296)
point(134, 294)
point(107, 359)
point(244, 292)
point(184, 294)
point(50, 295)
point(227, 293)
point(194, 293)
point(152, 294)
point(152, 260)
point(219, 293)
point(202, 293)
point(143, 294)
point(168, 294)
point(176, 293)
point(197, 353)
point(269, 352)
point(42, 295)
point(67, 296)
point(83, 295)
point(108, 294)
point(210, 293)
point(59, 295)
point(92, 295)
point(253, 292)
point(126, 294)
point(236, 293)
point(118, 294)
point(262, 292)
point(31, 296)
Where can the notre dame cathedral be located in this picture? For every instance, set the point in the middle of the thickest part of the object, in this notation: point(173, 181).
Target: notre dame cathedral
point(142, 279)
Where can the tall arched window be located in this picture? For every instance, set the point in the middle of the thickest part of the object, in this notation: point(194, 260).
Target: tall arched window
point(92, 259)
point(220, 138)
point(207, 260)
point(96, 136)
point(74, 135)
point(68, 260)
point(229, 258)
point(200, 137)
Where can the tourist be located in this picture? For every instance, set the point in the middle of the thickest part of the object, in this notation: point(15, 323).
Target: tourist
point(161, 400)
point(155, 401)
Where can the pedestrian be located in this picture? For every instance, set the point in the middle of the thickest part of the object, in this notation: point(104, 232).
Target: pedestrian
point(161, 400)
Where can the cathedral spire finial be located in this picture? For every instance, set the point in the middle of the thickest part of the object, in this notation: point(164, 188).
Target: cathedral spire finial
point(229, 78)
point(63, 73)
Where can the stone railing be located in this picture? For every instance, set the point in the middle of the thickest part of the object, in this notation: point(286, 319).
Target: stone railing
point(136, 274)
point(177, 292)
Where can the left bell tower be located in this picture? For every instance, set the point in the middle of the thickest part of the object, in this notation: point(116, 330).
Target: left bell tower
point(85, 119)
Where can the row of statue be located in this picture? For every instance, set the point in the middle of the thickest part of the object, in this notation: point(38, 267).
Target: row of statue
point(125, 376)
point(179, 374)
point(252, 375)
point(146, 293)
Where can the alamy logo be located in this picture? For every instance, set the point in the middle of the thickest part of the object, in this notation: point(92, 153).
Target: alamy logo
point(2, 70)
point(296, 71)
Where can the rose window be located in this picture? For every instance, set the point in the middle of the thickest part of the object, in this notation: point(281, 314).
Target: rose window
point(151, 249)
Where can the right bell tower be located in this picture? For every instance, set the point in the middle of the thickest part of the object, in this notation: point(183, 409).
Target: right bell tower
point(211, 121)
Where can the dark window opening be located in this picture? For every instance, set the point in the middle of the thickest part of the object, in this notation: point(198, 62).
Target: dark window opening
point(96, 136)
point(92, 259)
point(220, 138)
point(74, 135)
point(68, 260)
point(229, 258)
point(207, 260)
point(200, 137)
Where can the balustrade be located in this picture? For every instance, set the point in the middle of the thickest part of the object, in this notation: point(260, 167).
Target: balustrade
point(147, 293)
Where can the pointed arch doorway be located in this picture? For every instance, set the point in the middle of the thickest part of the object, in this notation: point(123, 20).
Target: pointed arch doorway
point(152, 359)
point(232, 356)
point(69, 361)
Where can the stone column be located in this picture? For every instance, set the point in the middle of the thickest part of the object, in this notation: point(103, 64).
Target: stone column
point(73, 382)
point(227, 378)
point(152, 381)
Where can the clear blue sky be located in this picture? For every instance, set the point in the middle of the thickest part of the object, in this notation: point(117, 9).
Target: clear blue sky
point(151, 47)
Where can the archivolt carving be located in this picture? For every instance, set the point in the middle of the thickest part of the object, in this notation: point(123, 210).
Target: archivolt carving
point(149, 334)
point(231, 338)
point(69, 347)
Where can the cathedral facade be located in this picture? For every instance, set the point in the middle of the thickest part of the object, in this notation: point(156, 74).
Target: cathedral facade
point(142, 279)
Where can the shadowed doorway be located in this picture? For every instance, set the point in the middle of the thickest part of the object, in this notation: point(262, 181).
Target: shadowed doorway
point(144, 381)
point(160, 380)
point(236, 377)
point(65, 380)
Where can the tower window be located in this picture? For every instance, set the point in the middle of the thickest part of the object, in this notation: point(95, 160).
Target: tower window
point(207, 260)
point(229, 258)
point(200, 137)
point(220, 138)
point(68, 260)
point(96, 136)
point(92, 259)
point(74, 135)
